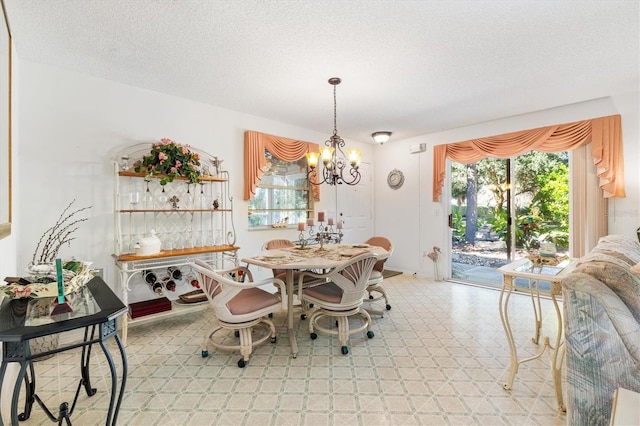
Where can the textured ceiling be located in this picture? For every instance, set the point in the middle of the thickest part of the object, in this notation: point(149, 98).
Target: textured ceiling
point(411, 67)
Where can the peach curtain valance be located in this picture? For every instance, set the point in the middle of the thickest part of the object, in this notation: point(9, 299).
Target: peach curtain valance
point(604, 133)
point(282, 148)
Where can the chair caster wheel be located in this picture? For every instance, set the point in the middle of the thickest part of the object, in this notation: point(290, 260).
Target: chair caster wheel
point(345, 350)
point(303, 317)
point(370, 334)
point(388, 307)
point(205, 354)
point(274, 339)
point(236, 333)
point(242, 363)
point(370, 297)
point(313, 336)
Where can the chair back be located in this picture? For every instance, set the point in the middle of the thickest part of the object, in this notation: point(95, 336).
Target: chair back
point(277, 244)
point(385, 244)
point(274, 245)
point(220, 287)
point(353, 277)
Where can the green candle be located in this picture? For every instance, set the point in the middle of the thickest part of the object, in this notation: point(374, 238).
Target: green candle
point(60, 281)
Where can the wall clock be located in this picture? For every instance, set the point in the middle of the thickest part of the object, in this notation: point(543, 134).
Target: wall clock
point(395, 179)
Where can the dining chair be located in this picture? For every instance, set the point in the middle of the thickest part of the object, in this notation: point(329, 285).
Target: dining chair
point(239, 306)
point(282, 273)
point(375, 281)
point(341, 297)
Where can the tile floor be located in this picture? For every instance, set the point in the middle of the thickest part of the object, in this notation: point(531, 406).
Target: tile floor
point(440, 356)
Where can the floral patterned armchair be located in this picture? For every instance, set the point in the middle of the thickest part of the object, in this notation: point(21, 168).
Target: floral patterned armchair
point(601, 302)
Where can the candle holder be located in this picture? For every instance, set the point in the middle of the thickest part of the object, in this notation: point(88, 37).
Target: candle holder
point(324, 234)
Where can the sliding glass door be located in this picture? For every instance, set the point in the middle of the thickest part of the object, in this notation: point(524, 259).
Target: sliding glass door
point(503, 209)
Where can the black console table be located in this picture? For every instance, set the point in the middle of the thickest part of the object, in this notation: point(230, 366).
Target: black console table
point(95, 308)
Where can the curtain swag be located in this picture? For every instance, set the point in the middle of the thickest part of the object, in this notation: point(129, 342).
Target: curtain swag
point(282, 148)
point(604, 133)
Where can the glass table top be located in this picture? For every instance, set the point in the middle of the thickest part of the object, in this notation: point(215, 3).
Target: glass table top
point(92, 304)
point(530, 267)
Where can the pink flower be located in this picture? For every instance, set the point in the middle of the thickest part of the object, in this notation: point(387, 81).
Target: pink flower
point(22, 291)
point(165, 141)
point(174, 170)
point(178, 164)
point(162, 156)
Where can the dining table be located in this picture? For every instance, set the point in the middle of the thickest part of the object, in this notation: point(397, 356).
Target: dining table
point(307, 257)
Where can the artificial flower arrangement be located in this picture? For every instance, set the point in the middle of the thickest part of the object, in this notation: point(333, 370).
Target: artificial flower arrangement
point(41, 280)
point(169, 160)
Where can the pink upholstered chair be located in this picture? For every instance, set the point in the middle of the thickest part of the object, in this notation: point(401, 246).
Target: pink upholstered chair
point(282, 273)
point(239, 306)
point(375, 281)
point(340, 297)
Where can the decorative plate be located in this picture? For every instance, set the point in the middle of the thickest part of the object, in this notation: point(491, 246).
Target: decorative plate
point(395, 179)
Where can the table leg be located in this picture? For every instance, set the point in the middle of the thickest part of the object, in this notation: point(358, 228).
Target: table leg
point(16, 393)
point(537, 309)
point(30, 392)
point(290, 330)
point(13, 406)
point(85, 362)
point(507, 287)
point(558, 355)
point(114, 407)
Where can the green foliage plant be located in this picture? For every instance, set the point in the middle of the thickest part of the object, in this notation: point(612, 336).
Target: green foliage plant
point(168, 160)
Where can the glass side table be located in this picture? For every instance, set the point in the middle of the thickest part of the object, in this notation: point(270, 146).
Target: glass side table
point(524, 268)
point(96, 309)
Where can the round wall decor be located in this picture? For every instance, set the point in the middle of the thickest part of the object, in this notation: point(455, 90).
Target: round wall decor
point(395, 179)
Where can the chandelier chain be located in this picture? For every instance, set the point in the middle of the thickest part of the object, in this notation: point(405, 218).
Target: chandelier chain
point(335, 114)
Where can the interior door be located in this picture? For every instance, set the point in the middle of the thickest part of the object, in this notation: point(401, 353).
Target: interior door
point(355, 207)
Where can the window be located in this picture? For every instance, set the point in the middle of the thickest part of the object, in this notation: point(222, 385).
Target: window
point(283, 194)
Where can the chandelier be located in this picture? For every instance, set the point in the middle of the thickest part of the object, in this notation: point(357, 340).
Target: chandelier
point(338, 167)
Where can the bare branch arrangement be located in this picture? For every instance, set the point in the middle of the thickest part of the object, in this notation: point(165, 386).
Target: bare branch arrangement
point(60, 233)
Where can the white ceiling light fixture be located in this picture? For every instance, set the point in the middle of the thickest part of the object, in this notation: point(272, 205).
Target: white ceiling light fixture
point(334, 160)
point(381, 137)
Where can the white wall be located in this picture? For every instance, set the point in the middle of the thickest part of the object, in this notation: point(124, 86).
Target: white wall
point(71, 126)
point(415, 224)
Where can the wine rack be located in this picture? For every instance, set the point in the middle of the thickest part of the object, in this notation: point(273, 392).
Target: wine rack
point(192, 220)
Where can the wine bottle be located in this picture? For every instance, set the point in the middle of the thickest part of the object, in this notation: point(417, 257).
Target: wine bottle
point(175, 272)
point(157, 288)
point(170, 285)
point(149, 277)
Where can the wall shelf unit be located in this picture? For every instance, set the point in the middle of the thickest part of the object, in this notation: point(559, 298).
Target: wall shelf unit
point(192, 220)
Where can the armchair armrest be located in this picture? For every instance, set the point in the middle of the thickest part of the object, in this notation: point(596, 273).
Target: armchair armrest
point(603, 348)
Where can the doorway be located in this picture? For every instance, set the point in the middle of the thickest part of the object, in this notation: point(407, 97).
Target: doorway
point(504, 209)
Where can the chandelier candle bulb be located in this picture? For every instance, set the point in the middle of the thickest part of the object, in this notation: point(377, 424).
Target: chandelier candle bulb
point(354, 156)
point(330, 223)
point(339, 225)
point(312, 159)
point(327, 154)
point(301, 226)
point(320, 216)
point(310, 222)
